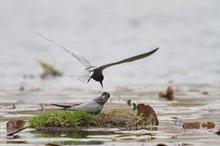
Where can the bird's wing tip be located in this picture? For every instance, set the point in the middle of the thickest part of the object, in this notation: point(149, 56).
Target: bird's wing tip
point(157, 48)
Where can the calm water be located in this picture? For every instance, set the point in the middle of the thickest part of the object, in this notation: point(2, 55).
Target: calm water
point(187, 33)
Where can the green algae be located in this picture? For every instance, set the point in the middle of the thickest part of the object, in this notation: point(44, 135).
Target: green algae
point(65, 119)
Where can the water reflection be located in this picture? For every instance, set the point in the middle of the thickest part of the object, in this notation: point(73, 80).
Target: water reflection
point(77, 137)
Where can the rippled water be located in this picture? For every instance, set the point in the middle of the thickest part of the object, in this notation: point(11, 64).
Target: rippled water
point(187, 33)
point(190, 104)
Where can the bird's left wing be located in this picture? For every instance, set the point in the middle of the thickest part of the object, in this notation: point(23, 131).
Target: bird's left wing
point(130, 59)
point(76, 55)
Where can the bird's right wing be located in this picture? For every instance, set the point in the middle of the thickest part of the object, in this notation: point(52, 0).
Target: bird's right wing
point(76, 55)
point(130, 59)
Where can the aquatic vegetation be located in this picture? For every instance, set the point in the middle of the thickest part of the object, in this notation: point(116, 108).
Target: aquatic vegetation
point(65, 119)
point(138, 122)
point(49, 70)
point(145, 118)
point(80, 119)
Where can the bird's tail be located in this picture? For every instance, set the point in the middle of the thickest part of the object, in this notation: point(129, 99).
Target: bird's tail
point(84, 76)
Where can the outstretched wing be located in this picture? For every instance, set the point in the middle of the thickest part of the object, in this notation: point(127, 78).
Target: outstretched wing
point(79, 57)
point(130, 59)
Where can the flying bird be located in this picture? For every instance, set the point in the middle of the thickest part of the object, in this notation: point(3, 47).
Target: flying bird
point(93, 106)
point(95, 72)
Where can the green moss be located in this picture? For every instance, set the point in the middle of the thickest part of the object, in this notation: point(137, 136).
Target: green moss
point(62, 119)
point(80, 119)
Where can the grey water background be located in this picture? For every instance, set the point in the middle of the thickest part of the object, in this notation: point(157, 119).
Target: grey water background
point(187, 32)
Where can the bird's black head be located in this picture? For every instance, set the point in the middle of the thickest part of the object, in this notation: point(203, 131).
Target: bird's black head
point(98, 76)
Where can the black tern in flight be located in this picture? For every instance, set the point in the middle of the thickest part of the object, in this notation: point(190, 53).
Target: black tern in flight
point(94, 72)
point(93, 106)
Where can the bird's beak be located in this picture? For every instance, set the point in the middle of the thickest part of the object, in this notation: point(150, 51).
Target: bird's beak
point(101, 84)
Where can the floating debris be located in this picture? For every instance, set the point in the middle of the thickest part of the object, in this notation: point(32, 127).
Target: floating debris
point(15, 126)
point(30, 76)
point(147, 112)
point(129, 102)
point(51, 144)
point(208, 125)
point(191, 125)
point(205, 93)
point(42, 105)
point(169, 94)
point(49, 70)
point(197, 125)
point(21, 88)
point(218, 132)
point(161, 144)
point(13, 106)
point(134, 106)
